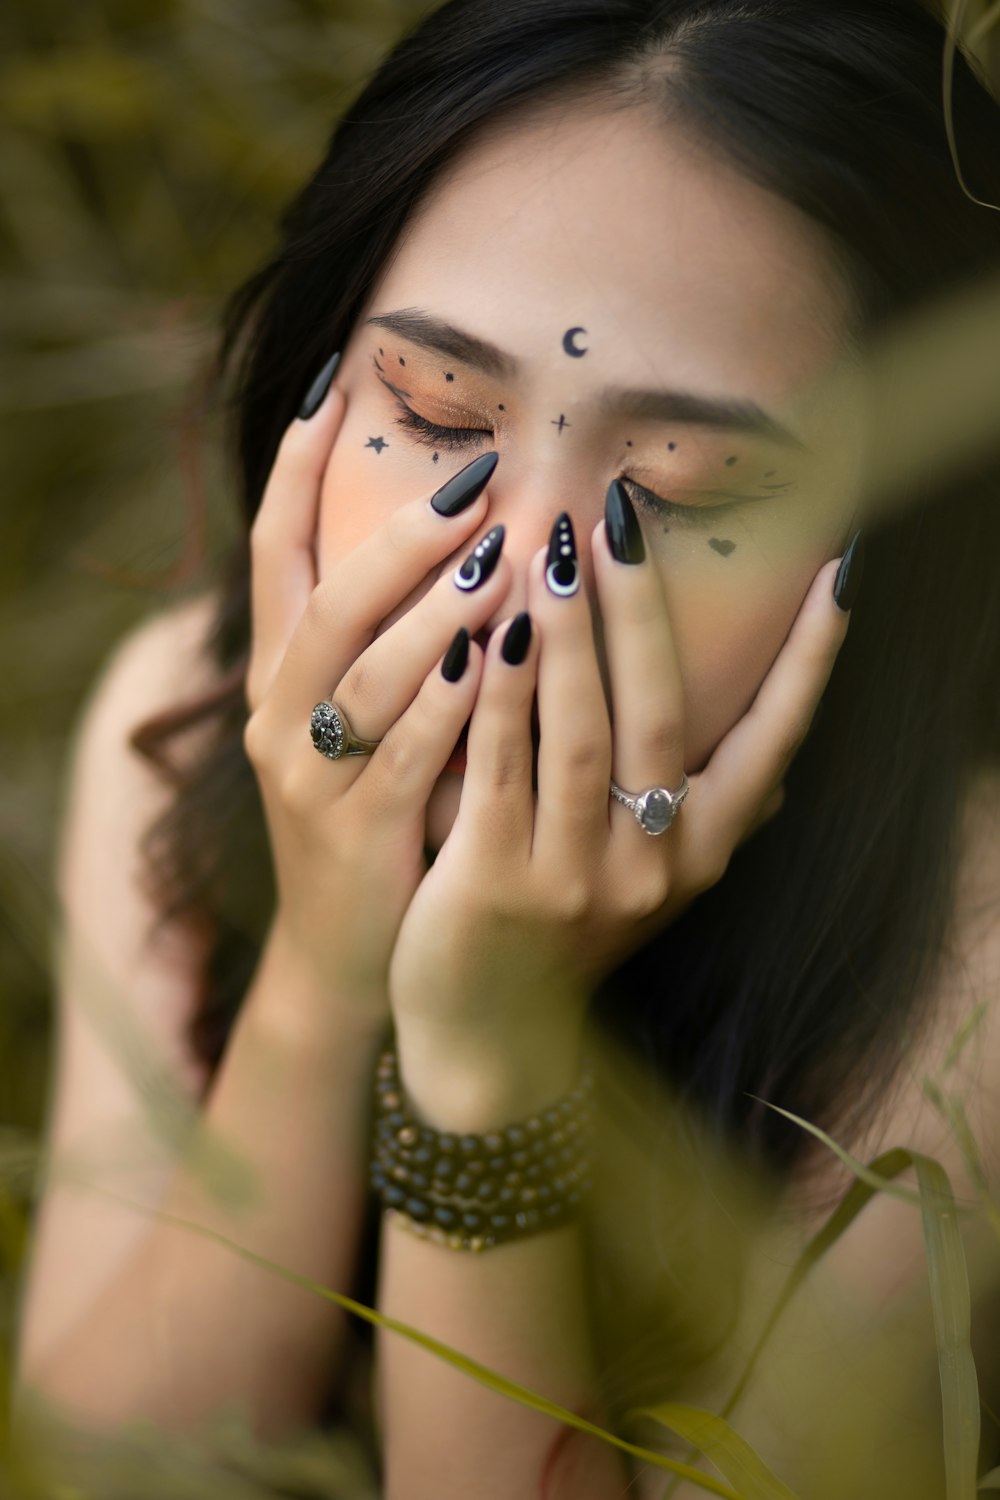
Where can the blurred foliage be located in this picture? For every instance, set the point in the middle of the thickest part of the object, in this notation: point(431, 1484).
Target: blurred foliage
point(147, 148)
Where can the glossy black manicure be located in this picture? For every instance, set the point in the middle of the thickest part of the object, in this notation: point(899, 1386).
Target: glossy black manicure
point(456, 658)
point(517, 640)
point(319, 388)
point(562, 571)
point(849, 574)
point(467, 485)
point(621, 525)
point(481, 560)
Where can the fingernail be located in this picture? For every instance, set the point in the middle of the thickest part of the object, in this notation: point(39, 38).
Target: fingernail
point(456, 658)
point(562, 574)
point(481, 560)
point(849, 574)
point(458, 493)
point(319, 388)
point(621, 525)
point(517, 640)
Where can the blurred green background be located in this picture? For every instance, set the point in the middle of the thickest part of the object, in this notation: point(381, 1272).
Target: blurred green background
point(147, 148)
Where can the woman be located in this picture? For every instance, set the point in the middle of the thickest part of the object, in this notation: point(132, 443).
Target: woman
point(542, 428)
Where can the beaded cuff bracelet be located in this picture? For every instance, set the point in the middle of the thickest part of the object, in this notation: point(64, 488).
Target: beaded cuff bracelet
point(471, 1192)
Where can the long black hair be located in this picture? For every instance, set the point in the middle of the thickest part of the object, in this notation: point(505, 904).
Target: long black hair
point(802, 975)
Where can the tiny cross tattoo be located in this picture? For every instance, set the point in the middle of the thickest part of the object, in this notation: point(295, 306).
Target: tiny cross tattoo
point(562, 422)
point(378, 443)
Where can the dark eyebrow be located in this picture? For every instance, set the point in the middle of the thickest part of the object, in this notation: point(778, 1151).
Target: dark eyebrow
point(734, 415)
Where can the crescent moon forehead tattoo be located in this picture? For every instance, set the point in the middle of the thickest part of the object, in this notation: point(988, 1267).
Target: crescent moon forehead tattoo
point(569, 347)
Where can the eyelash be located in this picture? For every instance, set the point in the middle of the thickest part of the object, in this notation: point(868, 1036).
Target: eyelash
point(434, 436)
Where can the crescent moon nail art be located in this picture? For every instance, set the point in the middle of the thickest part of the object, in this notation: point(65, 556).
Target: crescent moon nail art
point(481, 561)
point(562, 572)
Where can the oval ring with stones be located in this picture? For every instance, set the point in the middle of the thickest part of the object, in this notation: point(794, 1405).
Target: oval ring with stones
point(655, 808)
point(332, 734)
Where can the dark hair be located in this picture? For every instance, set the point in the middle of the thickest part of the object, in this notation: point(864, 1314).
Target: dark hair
point(800, 976)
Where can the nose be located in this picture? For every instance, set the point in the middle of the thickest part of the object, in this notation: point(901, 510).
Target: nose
point(527, 505)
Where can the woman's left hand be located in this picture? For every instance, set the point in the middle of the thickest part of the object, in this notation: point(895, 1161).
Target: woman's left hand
point(529, 903)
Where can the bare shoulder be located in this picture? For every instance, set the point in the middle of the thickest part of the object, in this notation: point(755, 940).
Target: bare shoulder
point(121, 1002)
point(113, 794)
point(860, 1322)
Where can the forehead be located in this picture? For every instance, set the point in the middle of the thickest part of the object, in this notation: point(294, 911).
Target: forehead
point(617, 222)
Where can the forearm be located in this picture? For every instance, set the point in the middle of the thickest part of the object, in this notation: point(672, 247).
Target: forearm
point(519, 1308)
point(190, 1325)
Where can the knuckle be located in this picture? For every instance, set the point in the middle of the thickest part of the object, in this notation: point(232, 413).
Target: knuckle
point(663, 742)
point(792, 739)
point(324, 607)
point(587, 755)
point(508, 766)
point(397, 755)
point(296, 789)
point(714, 864)
point(572, 898)
point(360, 691)
point(646, 893)
point(255, 739)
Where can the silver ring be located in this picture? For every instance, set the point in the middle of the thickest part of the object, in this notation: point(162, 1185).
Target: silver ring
point(655, 808)
point(332, 734)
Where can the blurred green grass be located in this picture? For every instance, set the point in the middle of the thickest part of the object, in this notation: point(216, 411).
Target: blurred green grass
point(147, 148)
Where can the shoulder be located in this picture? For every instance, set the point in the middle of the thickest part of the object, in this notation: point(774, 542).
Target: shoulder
point(944, 1101)
point(112, 794)
point(864, 1303)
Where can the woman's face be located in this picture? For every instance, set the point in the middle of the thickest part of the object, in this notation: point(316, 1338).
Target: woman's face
point(584, 258)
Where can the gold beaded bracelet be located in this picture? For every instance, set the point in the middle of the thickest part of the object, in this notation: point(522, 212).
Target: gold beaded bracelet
point(471, 1191)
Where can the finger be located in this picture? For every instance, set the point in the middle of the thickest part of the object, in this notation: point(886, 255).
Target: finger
point(574, 754)
point(400, 776)
point(386, 677)
point(645, 679)
point(344, 610)
point(754, 756)
point(283, 567)
point(498, 802)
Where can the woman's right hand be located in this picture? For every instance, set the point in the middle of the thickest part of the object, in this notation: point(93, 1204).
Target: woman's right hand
point(348, 836)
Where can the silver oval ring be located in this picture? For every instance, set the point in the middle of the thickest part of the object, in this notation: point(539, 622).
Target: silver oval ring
point(655, 808)
point(331, 733)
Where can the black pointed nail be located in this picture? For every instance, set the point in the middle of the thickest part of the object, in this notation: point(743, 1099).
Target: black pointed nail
point(456, 658)
point(458, 493)
point(319, 388)
point(621, 525)
point(517, 640)
point(481, 560)
point(849, 574)
point(562, 572)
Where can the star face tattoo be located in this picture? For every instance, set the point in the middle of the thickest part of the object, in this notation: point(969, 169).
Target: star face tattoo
point(378, 443)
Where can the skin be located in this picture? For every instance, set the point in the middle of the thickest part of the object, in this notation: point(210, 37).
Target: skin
point(683, 275)
point(708, 657)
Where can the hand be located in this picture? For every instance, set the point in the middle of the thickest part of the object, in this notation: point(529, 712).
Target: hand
point(348, 836)
point(529, 903)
